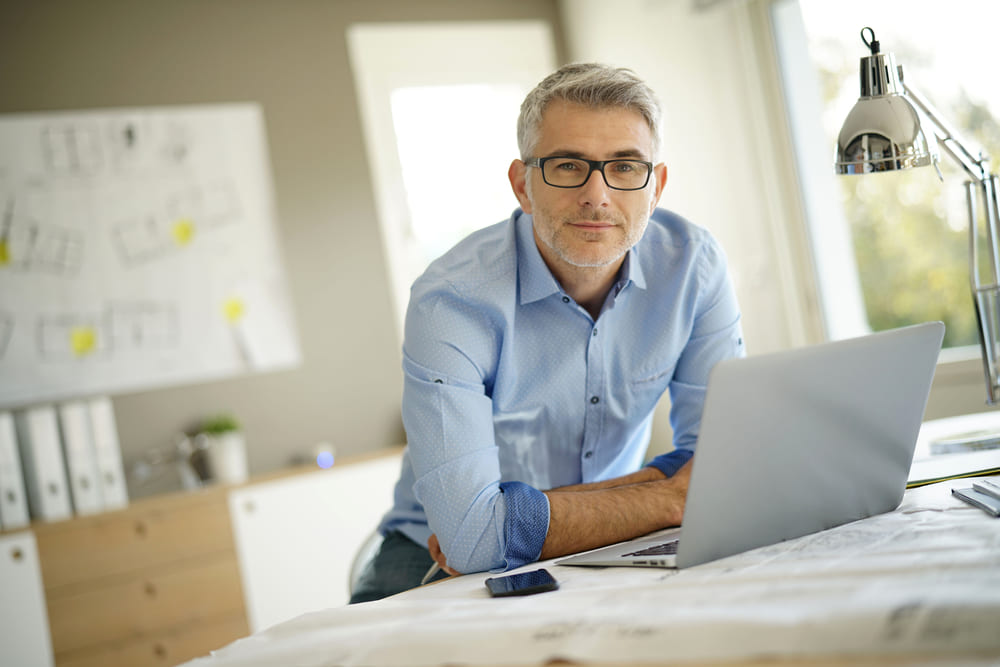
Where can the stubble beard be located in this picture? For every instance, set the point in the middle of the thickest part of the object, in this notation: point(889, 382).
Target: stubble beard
point(564, 242)
point(555, 236)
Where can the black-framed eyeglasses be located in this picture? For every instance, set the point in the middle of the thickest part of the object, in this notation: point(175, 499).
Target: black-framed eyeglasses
point(571, 172)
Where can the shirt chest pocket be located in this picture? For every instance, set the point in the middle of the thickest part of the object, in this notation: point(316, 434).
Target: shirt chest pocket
point(645, 391)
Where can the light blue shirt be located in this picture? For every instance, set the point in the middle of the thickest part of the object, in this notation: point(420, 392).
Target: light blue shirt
point(511, 387)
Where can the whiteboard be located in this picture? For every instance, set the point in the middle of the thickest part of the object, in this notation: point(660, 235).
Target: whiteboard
point(138, 249)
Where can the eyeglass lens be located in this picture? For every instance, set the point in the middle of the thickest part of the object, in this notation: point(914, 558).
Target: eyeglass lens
point(571, 173)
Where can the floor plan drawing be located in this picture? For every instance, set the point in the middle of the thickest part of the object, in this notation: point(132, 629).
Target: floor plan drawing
point(168, 226)
point(115, 331)
point(125, 236)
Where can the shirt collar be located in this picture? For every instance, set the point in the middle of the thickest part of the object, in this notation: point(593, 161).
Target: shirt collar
point(535, 281)
point(632, 269)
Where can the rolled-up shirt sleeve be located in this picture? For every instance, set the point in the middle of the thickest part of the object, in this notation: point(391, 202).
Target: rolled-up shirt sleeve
point(480, 522)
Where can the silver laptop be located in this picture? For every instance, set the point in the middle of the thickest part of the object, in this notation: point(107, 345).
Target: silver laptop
point(795, 442)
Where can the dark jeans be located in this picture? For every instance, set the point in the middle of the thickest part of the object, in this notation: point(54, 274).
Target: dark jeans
point(398, 566)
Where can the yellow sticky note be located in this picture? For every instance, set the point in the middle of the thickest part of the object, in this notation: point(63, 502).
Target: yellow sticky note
point(4, 253)
point(82, 340)
point(233, 309)
point(183, 231)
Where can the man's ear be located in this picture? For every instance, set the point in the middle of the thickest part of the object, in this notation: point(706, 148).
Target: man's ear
point(517, 173)
point(660, 172)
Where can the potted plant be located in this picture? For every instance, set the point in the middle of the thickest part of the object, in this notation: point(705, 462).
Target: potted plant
point(224, 447)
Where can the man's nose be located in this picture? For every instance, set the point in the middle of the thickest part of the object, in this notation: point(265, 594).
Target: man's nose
point(595, 190)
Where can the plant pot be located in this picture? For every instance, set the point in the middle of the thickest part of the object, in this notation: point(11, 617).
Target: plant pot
point(226, 456)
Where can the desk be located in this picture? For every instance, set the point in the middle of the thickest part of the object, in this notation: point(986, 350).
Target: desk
point(920, 584)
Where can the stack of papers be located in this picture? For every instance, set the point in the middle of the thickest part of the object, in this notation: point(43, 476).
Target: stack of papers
point(953, 466)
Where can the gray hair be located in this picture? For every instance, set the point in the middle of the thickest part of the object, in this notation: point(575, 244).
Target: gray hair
point(594, 86)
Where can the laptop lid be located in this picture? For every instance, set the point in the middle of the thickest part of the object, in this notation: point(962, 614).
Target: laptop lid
point(798, 441)
point(803, 440)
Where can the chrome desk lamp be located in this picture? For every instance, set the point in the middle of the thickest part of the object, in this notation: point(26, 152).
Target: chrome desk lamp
point(887, 130)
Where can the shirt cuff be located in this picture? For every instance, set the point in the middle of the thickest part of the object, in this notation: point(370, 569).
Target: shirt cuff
point(671, 462)
point(525, 525)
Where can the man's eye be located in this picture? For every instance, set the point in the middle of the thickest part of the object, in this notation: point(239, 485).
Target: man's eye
point(567, 166)
point(624, 167)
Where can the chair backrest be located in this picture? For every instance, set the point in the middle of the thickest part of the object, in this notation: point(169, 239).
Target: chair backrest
point(364, 554)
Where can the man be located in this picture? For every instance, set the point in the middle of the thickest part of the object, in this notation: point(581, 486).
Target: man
point(536, 350)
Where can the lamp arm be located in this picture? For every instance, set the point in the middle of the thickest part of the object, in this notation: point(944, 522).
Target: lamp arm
point(973, 162)
point(983, 190)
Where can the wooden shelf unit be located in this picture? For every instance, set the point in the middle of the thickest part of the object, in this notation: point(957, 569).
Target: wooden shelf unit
point(156, 583)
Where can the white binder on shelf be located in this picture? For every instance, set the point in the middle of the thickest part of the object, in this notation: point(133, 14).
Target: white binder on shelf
point(81, 457)
point(42, 460)
point(111, 472)
point(13, 501)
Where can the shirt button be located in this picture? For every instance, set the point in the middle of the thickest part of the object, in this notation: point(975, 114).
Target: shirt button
point(565, 299)
point(587, 455)
point(595, 331)
point(595, 399)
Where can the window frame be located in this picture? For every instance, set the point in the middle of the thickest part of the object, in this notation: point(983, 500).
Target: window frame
point(959, 375)
point(389, 56)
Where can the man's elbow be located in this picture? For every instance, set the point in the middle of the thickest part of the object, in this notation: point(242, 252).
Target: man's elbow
point(472, 563)
point(480, 558)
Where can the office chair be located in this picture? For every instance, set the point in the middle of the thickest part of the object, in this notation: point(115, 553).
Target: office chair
point(365, 553)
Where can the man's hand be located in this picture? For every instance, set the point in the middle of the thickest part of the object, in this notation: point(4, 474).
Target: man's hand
point(439, 558)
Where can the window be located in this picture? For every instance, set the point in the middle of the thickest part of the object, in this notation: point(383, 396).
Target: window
point(900, 239)
point(439, 105)
point(452, 192)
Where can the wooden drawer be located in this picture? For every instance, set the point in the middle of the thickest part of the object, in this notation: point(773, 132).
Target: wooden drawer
point(169, 648)
point(139, 606)
point(85, 550)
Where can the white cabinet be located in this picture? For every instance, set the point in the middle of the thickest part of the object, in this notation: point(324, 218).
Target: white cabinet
point(297, 536)
point(24, 624)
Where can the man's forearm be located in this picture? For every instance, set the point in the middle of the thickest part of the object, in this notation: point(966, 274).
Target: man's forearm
point(587, 516)
point(663, 466)
point(590, 518)
point(642, 475)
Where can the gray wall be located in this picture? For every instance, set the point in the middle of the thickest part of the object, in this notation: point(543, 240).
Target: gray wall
point(291, 57)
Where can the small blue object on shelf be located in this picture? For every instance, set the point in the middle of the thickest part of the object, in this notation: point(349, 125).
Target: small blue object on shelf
point(324, 460)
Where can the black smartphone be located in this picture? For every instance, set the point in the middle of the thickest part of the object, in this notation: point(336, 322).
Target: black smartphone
point(525, 583)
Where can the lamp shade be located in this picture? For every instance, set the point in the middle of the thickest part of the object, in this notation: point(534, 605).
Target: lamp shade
point(883, 131)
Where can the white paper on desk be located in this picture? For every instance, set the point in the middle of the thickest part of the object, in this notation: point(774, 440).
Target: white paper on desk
point(944, 466)
point(757, 618)
point(922, 580)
